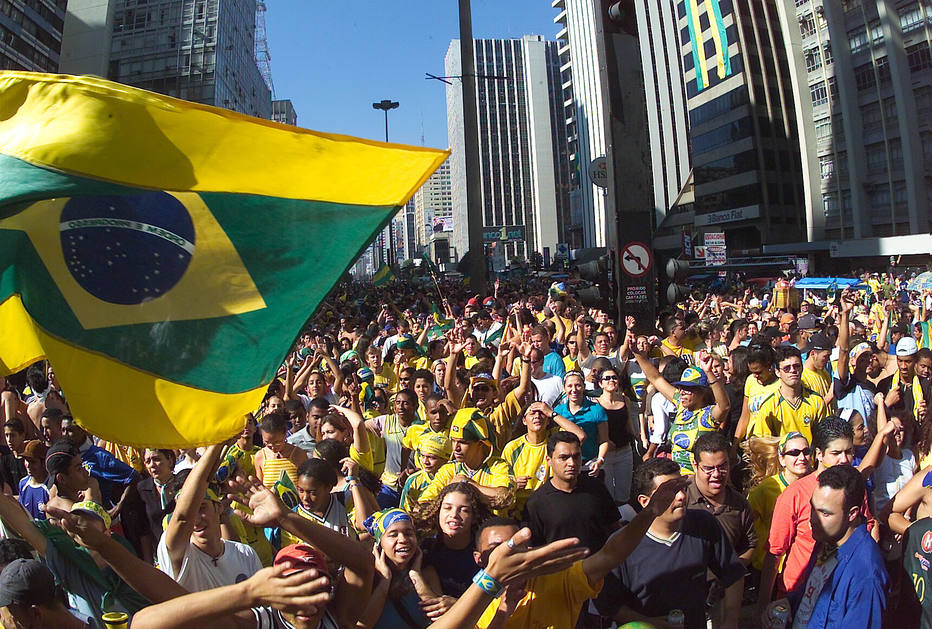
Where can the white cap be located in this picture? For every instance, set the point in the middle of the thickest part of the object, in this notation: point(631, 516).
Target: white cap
point(906, 346)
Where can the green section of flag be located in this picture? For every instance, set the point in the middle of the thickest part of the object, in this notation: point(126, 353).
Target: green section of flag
point(431, 266)
point(383, 276)
point(291, 264)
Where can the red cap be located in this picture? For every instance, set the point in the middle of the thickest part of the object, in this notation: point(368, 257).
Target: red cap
point(472, 302)
point(303, 557)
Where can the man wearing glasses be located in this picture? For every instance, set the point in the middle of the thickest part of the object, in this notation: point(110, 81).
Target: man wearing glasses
point(710, 491)
point(791, 407)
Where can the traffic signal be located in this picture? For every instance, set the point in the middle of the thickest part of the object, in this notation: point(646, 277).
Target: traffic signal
point(623, 14)
point(677, 270)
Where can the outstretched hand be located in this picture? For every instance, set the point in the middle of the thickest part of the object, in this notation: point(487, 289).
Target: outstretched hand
point(84, 529)
point(666, 494)
point(516, 563)
point(267, 508)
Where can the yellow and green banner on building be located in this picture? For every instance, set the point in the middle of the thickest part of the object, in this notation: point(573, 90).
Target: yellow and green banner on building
point(721, 61)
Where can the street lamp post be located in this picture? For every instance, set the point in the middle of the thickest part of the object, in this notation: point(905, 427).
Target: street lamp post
point(386, 106)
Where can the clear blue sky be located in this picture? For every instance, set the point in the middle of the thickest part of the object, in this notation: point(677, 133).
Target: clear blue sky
point(334, 59)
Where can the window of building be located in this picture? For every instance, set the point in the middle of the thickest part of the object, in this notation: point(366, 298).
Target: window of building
point(883, 70)
point(827, 53)
point(807, 25)
point(818, 93)
point(857, 41)
point(823, 128)
point(919, 57)
point(876, 33)
point(864, 76)
point(875, 156)
point(813, 59)
point(827, 166)
point(910, 18)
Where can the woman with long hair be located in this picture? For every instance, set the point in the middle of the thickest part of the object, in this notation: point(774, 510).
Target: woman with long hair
point(775, 463)
point(453, 518)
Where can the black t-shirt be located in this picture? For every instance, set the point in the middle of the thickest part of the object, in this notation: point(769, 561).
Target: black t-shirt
point(660, 576)
point(907, 402)
point(588, 512)
point(13, 469)
point(619, 427)
point(917, 561)
point(456, 568)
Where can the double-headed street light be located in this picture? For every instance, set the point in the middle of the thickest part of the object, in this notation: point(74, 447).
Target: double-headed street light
point(386, 106)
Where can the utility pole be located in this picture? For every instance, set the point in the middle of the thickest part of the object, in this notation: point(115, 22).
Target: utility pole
point(387, 105)
point(477, 263)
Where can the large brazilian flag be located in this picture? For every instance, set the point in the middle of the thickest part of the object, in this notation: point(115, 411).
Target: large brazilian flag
point(163, 255)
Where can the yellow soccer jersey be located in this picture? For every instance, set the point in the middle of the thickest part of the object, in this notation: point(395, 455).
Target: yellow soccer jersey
point(527, 459)
point(819, 381)
point(493, 473)
point(776, 416)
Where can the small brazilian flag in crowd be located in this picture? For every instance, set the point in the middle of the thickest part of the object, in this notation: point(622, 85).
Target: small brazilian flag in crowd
point(163, 255)
point(383, 276)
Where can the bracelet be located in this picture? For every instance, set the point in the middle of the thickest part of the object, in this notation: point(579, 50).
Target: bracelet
point(601, 460)
point(350, 479)
point(552, 415)
point(487, 583)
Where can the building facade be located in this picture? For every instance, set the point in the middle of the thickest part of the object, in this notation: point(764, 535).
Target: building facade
point(522, 144)
point(861, 71)
point(583, 112)
point(283, 111)
point(433, 205)
point(31, 34)
point(198, 50)
point(744, 144)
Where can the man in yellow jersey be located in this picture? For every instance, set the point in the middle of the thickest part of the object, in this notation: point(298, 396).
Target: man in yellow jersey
point(815, 375)
point(791, 406)
point(527, 454)
point(473, 463)
point(674, 343)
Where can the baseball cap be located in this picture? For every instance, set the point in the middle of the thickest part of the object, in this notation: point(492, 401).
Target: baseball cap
point(303, 557)
point(906, 346)
point(35, 450)
point(488, 301)
point(787, 318)
point(692, 378)
point(92, 508)
point(472, 302)
point(808, 322)
point(820, 340)
point(59, 456)
point(26, 582)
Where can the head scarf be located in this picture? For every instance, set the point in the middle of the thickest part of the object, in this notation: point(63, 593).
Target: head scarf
point(436, 444)
point(788, 437)
point(380, 521)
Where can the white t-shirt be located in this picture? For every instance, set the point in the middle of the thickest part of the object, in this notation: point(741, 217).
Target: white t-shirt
point(891, 475)
point(549, 388)
point(200, 571)
point(661, 408)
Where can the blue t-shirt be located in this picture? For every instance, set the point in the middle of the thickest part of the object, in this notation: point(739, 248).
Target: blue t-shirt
point(589, 416)
point(854, 595)
point(33, 497)
point(108, 470)
point(553, 364)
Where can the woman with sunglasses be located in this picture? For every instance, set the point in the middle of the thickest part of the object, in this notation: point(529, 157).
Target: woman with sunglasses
point(619, 460)
point(775, 463)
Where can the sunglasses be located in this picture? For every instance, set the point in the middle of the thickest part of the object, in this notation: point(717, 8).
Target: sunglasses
point(613, 378)
point(797, 452)
point(791, 368)
point(479, 388)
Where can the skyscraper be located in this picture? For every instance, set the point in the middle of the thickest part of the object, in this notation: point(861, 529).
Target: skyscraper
point(742, 123)
point(522, 143)
point(433, 204)
point(31, 34)
point(861, 74)
point(198, 50)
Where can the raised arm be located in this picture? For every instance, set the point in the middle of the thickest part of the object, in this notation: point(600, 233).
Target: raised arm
point(453, 390)
point(582, 343)
point(722, 403)
point(560, 421)
point(360, 433)
point(187, 504)
point(663, 387)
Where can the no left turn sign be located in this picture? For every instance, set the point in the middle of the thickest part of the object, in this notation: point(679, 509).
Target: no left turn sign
point(636, 259)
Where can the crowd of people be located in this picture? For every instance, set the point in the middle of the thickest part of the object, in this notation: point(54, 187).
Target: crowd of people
point(428, 457)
